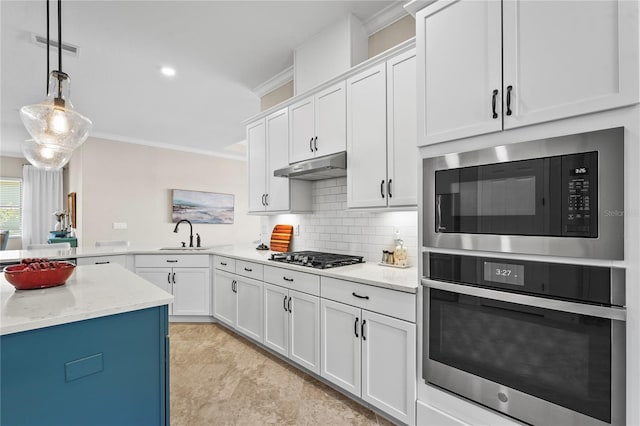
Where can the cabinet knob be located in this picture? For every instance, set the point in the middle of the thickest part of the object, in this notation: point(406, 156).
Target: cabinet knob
point(493, 104)
point(389, 188)
point(315, 144)
point(509, 89)
point(382, 188)
point(311, 144)
point(355, 327)
point(288, 279)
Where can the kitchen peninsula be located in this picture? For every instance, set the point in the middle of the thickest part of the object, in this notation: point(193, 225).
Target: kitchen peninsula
point(69, 352)
point(242, 289)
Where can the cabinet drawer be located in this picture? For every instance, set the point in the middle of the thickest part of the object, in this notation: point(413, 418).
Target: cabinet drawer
point(120, 259)
point(295, 280)
point(224, 263)
point(376, 299)
point(249, 269)
point(172, 260)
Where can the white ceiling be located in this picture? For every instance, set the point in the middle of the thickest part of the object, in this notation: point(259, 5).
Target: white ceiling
point(221, 50)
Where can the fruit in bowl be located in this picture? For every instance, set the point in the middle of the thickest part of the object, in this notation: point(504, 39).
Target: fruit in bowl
point(38, 273)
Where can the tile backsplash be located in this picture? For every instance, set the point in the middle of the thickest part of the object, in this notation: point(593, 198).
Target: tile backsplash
point(333, 228)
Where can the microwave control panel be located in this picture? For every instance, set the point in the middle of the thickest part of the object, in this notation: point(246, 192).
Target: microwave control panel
point(580, 183)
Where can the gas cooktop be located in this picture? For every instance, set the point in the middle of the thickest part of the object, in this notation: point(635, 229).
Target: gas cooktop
point(316, 259)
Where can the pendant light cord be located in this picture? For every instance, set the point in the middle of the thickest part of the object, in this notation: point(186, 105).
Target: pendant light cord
point(46, 87)
point(60, 35)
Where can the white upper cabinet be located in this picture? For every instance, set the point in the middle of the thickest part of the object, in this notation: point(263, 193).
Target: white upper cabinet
point(461, 66)
point(268, 144)
point(554, 72)
point(277, 128)
point(367, 138)
point(485, 66)
point(381, 135)
point(402, 131)
point(257, 165)
point(317, 124)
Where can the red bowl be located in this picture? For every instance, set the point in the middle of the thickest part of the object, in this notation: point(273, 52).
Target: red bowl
point(23, 278)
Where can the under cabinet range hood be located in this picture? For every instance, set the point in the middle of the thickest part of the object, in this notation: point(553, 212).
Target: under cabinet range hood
point(329, 166)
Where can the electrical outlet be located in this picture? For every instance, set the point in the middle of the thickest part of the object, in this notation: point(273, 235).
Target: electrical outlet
point(296, 230)
point(119, 225)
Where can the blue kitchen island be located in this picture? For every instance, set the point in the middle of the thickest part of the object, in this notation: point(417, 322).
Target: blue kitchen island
point(94, 351)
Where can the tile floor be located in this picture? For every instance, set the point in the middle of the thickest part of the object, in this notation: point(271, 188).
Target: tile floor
point(220, 378)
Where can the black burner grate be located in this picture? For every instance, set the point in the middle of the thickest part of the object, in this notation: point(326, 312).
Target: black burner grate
point(316, 259)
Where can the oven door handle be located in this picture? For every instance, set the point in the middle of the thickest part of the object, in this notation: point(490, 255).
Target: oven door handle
point(618, 314)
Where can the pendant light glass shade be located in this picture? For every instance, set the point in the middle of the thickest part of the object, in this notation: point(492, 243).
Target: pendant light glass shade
point(54, 122)
point(46, 156)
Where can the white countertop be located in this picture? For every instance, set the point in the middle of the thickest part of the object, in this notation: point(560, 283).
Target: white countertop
point(91, 292)
point(399, 279)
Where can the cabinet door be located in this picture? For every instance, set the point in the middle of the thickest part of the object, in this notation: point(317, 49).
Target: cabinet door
point(340, 343)
point(278, 146)
point(389, 365)
point(276, 318)
point(224, 298)
point(402, 151)
point(556, 73)
point(460, 70)
point(256, 165)
point(304, 330)
point(161, 277)
point(331, 120)
point(191, 290)
point(301, 130)
point(250, 308)
point(367, 139)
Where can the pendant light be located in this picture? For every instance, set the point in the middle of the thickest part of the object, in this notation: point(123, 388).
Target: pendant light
point(55, 126)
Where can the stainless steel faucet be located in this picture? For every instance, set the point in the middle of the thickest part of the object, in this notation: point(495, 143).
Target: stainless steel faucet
point(190, 230)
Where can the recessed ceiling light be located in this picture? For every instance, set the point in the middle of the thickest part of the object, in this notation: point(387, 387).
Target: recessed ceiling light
point(168, 71)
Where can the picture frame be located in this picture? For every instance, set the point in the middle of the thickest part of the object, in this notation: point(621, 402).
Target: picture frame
point(71, 208)
point(202, 207)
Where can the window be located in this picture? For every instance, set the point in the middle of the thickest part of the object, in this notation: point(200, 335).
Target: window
point(11, 206)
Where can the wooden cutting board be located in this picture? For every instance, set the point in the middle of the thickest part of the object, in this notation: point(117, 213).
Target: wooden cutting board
point(281, 237)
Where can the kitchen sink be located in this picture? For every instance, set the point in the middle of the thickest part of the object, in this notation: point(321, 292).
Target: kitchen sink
point(185, 248)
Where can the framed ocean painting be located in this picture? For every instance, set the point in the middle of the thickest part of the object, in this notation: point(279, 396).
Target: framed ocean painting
point(202, 207)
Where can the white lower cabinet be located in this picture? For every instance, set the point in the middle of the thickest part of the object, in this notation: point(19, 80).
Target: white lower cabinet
point(249, 308)
point(224, 298)
point(190, 284)
point(292, 325)
point(238, 303)
point(370, 355)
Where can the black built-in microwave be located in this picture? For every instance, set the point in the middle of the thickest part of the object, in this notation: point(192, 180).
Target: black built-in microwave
point(560, 196)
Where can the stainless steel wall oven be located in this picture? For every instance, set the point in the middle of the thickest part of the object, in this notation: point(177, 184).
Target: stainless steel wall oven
point(558, 196)
point(541, 342)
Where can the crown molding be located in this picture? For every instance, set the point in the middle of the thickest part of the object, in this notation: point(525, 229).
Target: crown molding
point(387, 16)
point(173, 147)
point(274, 82)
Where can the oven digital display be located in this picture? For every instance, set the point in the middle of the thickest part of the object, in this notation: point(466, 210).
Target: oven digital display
point(504, 273)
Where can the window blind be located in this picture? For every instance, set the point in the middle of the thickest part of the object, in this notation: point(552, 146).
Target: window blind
point(11, 205)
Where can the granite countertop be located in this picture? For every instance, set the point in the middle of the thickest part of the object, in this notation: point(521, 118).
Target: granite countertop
point(400, 279)
point(91, 292)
